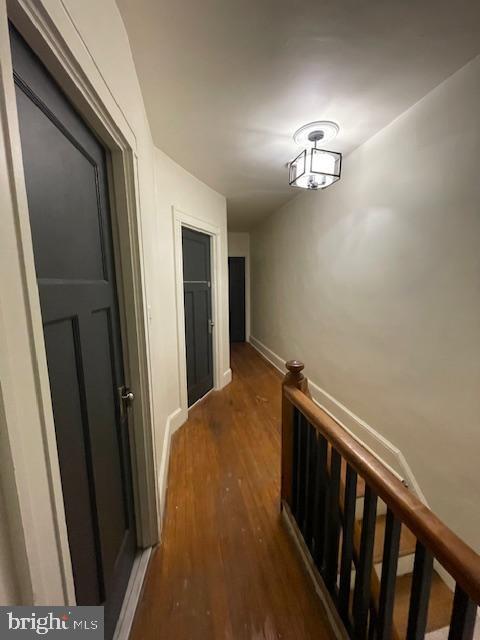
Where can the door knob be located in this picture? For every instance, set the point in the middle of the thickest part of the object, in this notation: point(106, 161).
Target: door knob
point(129, 396)
point(125, 400)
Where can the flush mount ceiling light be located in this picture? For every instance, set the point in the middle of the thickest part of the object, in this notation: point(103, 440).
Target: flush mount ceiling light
point(315, 167)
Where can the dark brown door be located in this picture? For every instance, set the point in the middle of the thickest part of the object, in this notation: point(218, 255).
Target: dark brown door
point(66, 180)
point(198, 313)
point(236, 291)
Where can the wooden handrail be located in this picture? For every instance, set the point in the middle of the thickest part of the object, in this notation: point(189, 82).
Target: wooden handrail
point(460, 560)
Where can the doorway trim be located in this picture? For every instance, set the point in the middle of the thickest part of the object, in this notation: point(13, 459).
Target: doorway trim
point(33, 490)
point(182, 219)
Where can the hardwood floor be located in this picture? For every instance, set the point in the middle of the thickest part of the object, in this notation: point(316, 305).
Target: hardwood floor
point(227, 569)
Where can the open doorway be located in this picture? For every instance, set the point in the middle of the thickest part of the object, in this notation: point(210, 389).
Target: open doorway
point(236, 289)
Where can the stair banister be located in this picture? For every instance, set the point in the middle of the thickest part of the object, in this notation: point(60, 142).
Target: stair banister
point(307, 430)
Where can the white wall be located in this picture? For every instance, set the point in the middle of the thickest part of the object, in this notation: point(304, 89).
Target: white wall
point(375, 284)
point(239, 246)
point(95, 33)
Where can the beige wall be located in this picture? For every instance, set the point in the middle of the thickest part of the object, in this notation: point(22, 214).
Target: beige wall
point(95, 33)
point(375, 285)
point(239, 246)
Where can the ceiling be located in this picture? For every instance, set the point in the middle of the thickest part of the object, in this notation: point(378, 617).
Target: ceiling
point(227, 82)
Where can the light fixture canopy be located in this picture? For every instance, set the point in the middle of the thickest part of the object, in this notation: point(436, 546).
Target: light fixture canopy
point(324, 130)
point(315, 168)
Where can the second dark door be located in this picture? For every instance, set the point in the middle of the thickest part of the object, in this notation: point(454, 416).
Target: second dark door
point(198, 313)
point(236, 290)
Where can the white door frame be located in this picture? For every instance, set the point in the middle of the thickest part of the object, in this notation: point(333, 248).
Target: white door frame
point(31, 483)
point(182, 219)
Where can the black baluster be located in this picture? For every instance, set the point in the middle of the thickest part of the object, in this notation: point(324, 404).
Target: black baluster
point(464, 614)
point(420, 594)
point(306, 477)
point(320, 500)
point(312, 463)
point(391, 547)
point(295, 461)
point(333, 523)
point(347, 543)
point(372, 624)
point(301, 470)
point(361, 594)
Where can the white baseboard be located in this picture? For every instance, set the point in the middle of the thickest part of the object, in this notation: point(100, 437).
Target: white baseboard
point(369, 437)
point(132, 595)
point(271, 356)
point(174, 421)
point(227, 378)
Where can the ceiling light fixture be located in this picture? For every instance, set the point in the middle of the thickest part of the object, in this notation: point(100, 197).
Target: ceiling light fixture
point(315, 168)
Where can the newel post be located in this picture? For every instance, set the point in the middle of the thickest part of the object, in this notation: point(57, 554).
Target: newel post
point(293, 378)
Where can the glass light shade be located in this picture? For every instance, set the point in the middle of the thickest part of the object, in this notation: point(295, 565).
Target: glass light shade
point(315, 169)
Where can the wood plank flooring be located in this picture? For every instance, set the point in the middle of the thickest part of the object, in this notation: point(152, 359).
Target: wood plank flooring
point(227, 569)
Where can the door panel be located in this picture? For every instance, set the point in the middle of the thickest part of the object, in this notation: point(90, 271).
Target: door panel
point(189, 302)
point(77, 252)
point(198, 313)
point(236, 285)
point(64, 358)
point(67, 190)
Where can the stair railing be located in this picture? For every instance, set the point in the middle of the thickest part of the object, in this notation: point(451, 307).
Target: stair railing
point(321, 464)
